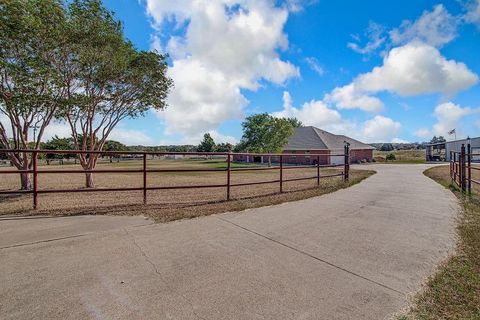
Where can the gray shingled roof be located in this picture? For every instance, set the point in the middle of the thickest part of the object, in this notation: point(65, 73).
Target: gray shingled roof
point(311, 138)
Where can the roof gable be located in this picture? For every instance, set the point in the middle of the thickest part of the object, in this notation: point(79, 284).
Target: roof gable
point(312, 138)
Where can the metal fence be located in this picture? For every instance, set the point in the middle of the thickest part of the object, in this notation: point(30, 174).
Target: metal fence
point(461, 168)
point(228, 185)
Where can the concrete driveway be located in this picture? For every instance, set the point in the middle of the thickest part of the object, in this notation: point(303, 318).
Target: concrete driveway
point(354, 254)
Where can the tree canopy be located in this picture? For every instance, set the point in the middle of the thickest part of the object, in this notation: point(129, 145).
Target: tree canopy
point(266, 133)
point(70, 60)
point(207, 144)
point(32, 36)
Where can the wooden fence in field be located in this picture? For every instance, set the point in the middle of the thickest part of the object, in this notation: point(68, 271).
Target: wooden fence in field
point(280, 166)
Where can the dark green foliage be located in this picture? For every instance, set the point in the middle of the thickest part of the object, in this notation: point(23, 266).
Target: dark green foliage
point(207, 144)
point(224, 147)
point(390, 156)
point(387, 147)
point(265, 133)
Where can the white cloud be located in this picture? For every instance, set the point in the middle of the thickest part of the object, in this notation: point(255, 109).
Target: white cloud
point(448, 117)
point(473, 14)
point(398, 140)
point(380, 129)
point(375, 36)
point(434, 28)
point(196, 139)
point(350, 97)
point(56, 128)
point(313, 113)
point(423, 133)
point(228, 45)
point(131, 137)
point(317, 113)
point(416, 69)
point(315, 65)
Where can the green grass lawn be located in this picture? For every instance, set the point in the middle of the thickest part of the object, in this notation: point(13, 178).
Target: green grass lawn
point(454, 291)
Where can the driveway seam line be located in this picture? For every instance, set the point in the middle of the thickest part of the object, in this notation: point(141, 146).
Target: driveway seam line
point(43, 241)
point(312, 256)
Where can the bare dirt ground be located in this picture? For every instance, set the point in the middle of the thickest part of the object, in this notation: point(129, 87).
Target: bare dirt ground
point(166, 205)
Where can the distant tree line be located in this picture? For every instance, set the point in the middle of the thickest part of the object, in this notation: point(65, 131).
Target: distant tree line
point(408, 146)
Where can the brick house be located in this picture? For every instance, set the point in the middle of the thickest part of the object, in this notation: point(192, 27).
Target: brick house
point(311, 142)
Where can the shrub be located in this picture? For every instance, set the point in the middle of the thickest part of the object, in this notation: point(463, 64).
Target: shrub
point(390, 156)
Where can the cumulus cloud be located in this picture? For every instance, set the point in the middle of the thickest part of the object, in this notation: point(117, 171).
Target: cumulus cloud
point(131, 137)
point(415, 69)
point(435, 28)
point(350, 97)
point(227, 46)
point(473, 14)
point(313, 113)
point(380, 129)
point(410, 70)
point(423, 133)
point(448, 117)
point(398, 140)
point(317, 113)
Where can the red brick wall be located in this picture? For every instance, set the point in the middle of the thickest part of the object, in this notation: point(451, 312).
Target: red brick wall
point(303, 159)
point(356, 155)
point(310, 158)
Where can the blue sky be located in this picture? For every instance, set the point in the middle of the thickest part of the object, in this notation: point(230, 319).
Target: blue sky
point(375, 70)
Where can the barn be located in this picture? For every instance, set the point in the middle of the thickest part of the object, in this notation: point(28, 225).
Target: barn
point(311, 143)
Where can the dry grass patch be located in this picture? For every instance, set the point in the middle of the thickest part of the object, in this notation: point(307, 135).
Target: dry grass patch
point(168, 205)
point(401, 156)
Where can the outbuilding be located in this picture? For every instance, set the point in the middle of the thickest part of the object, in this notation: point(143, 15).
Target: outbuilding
point(441, 151)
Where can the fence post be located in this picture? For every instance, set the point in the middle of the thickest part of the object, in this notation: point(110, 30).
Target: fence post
point(346, 165)
point(144, 178)
point(462, 169)
point(469, 170)
point(35, 180)
point(454, 166)
point(318, 170)
point(451, 166)
point(281, 173)
point(229, 162)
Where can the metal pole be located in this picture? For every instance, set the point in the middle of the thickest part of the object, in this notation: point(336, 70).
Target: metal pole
point(318, 170)
point(35, 180)
point(469, 172)
point(144, 178)
point(451, 166)
point(462, 168)
point(229, 160)
point(346, 165)
point(281, 173)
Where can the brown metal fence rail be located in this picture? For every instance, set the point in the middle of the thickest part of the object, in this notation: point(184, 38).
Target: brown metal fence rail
point(461, 168)
point(35, 171)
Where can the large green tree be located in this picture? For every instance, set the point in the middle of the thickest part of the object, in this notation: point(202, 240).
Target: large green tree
point(265, 133)
point(108, 79)
point(32, 38)
point(207, 144)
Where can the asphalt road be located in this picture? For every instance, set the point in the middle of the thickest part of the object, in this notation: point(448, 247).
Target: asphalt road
point(357, 253)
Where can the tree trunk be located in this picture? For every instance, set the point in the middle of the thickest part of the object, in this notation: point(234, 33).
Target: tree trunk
point(25, 181)
point(89, 180)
